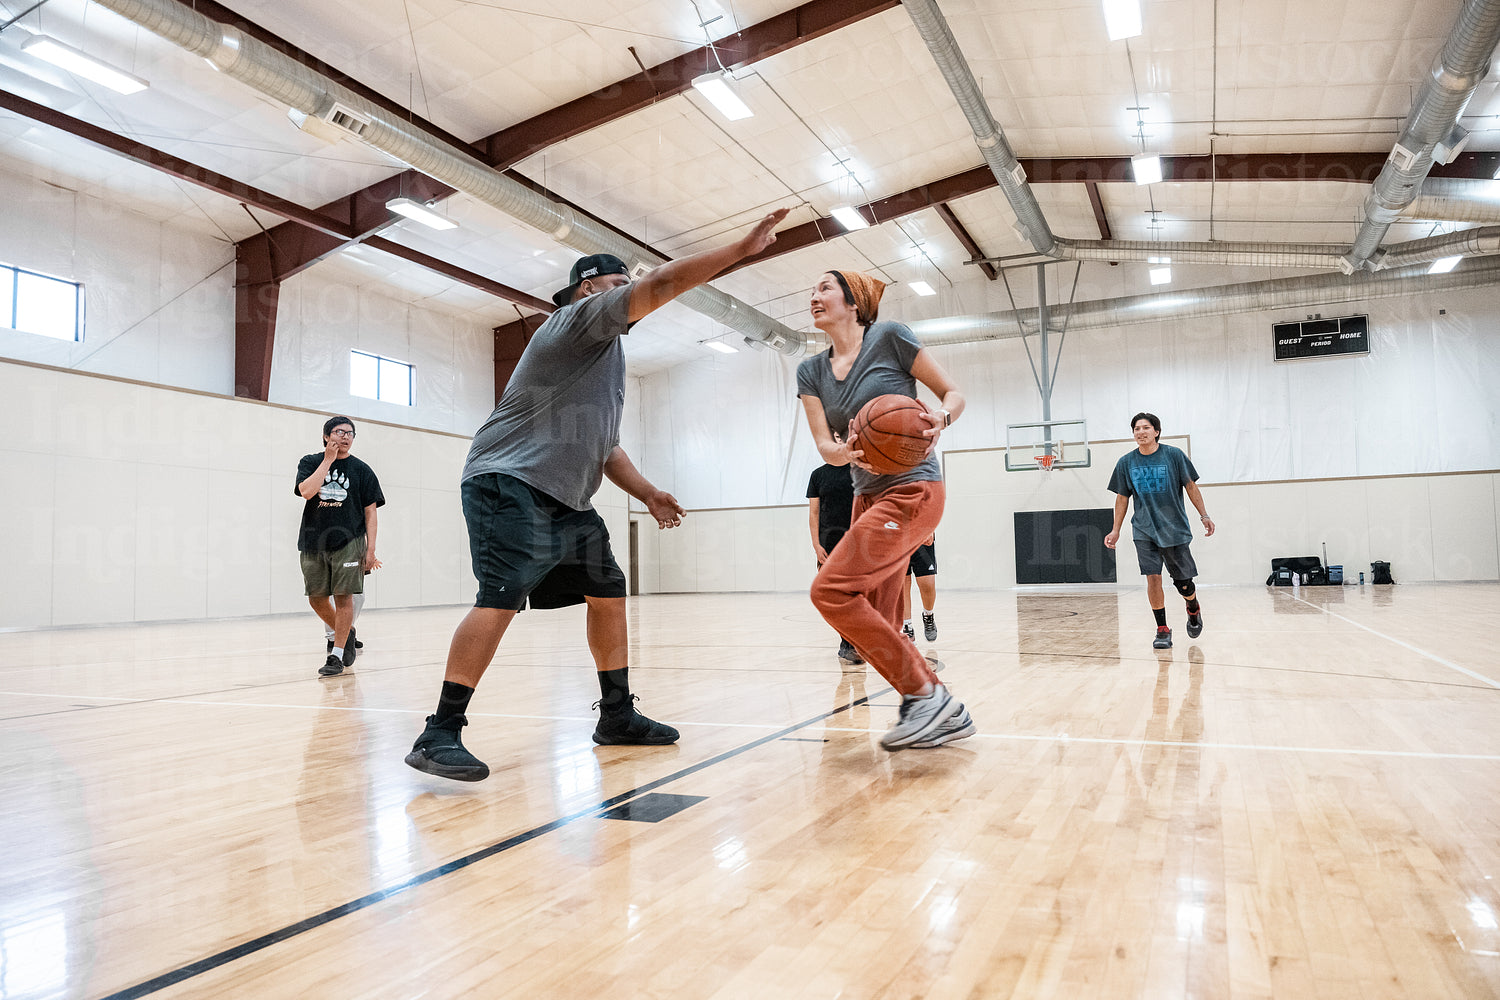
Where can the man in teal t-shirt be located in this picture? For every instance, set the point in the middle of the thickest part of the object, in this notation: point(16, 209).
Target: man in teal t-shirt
point(1156, 475)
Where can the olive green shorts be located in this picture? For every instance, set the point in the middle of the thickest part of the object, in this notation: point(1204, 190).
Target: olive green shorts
point(341, 571)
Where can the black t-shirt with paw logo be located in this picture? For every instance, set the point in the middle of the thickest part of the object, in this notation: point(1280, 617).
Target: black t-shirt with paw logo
point(336, 516)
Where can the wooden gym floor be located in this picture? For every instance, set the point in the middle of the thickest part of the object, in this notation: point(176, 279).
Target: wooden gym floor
point(1303, 803)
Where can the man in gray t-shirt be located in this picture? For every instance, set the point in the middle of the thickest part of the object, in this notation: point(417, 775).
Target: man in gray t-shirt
point(532, 471)
point(1157, 475)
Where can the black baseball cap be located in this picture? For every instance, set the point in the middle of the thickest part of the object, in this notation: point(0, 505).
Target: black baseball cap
point(588, 267)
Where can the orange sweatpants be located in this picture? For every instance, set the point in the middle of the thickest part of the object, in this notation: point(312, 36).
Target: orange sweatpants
point(858, 590)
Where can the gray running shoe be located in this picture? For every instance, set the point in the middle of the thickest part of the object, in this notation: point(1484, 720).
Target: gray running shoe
point(1163, 638)
point(920, 717)
point(958, 726)
point(929, 626)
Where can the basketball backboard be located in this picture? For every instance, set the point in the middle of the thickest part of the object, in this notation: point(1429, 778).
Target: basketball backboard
point(1067, 441)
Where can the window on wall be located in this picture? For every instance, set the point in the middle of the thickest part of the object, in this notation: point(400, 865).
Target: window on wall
point(40, 304)
point(384, 379)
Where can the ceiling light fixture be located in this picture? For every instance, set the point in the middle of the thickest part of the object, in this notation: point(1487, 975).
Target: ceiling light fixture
point(1161, 275)
point(1146, 167)
point(418, 212)
point(714, 87)
point(849, 217)
point(720, 346)
point(1444, 265)
point(922, 288)
point(75, 61)
point(1122, 19)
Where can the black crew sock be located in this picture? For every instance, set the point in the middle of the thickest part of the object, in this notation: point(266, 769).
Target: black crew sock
point(1192, 605)
point(1161, 616)
point(614, 691)
point(453, 701)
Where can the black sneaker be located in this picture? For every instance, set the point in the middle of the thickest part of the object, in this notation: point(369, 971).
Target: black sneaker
point(1195, 625)
point(907, 631)
point(1163, 638)
point(330, 645)
point(331, 666)
point(929, 626)
point(357, 643)
point(350, 650)
point(848, 655)
point(439, 751)
point(631, 728)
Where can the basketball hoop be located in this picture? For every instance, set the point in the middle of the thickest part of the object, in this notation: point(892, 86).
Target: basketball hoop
point(1044, 462)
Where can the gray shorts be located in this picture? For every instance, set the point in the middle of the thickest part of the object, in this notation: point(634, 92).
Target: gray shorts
point(1178, 559)
point(341, 571)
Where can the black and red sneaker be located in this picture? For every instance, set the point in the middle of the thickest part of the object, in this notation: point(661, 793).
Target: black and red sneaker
point(1163, 638)
point(1195, 624)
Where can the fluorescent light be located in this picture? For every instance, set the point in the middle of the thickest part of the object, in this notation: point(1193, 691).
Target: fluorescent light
point(849, 218)
point(419, 212)
point(1161, 275)
point(1122, 18)
point(1146, 167)
point(721, 96)
point(50, 50)
point(1158, 260)
point(1444, 266)
point(922, 288)
point(720, 346)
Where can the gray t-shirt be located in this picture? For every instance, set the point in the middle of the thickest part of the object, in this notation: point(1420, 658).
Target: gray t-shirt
point(1156, 481)
point(559, 417)
point(883, 366)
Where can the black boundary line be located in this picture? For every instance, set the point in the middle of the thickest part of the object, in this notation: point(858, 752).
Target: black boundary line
point(239, 951)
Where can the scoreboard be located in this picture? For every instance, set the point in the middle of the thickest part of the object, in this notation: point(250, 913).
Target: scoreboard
point(1321, 338)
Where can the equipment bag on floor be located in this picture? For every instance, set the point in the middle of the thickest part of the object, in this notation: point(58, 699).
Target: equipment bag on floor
point(1380, 572)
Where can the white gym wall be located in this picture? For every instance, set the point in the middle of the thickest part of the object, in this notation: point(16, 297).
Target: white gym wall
point(164, 498)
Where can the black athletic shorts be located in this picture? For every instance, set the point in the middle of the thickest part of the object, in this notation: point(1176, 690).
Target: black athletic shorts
point(923, 561)
point(1178, 559)
point(531, 550)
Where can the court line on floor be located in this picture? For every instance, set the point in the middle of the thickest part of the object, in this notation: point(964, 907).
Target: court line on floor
point(1405, 645)
point(246, 948)
point(870, 700)
point(1200, 745)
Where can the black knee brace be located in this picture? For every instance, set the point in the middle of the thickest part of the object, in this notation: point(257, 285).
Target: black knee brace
point(1184, 587)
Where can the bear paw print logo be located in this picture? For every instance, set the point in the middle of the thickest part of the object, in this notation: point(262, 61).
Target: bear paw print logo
point(335, 487)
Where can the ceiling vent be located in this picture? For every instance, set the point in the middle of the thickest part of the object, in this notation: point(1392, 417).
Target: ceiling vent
point(1402, 157)
point(343, 117)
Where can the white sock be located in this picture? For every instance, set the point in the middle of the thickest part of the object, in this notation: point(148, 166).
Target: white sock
point(338, 651)
point(908, 623)
point(328, 633)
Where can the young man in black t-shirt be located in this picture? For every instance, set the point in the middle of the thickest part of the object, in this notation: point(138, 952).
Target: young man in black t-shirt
point(337, 540)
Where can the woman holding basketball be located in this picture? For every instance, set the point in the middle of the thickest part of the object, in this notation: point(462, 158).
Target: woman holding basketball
point(858, 589)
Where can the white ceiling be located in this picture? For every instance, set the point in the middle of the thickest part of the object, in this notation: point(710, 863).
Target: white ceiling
point(1227, 76)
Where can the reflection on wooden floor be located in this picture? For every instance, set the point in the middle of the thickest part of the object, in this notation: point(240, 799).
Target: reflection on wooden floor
point(1304, 802)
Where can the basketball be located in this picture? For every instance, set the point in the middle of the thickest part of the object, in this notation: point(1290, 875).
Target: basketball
point(889, 430)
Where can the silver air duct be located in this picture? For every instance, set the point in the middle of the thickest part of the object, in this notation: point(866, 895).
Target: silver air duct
point(1450, 199)
point(283, 79)
point(933, 27)
point(1433, 120)
point(1251, 296)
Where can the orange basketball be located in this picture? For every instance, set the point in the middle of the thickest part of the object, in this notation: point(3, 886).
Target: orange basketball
point(889, 430)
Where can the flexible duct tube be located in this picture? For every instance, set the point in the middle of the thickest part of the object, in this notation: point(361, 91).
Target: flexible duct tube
point(1253, 296)
point(1455, 73)
point(285, 80)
